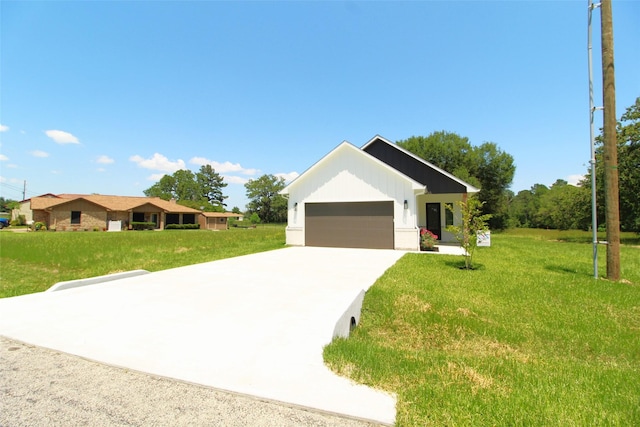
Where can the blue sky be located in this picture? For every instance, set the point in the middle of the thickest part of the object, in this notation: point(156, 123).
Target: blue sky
point(107, 96)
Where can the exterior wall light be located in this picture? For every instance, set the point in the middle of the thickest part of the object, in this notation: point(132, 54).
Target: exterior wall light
point(406, 204)
point(295, 206)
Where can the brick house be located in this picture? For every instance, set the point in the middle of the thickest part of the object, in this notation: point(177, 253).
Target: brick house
point(69, 212)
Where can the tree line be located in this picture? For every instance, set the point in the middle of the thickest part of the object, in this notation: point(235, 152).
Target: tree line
point(204, 190)
point(560, 206)
point(563, 206)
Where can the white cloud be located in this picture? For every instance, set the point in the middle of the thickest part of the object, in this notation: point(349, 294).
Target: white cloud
point(61, 137)
point(288, 177)
point(155, 177)
point(575, 179)
point(10, 180)
point(235, 179)
point(158, 162)
point(105, 160)
point(39, 153)
point(3, 158)
point(101, 170)
point(223, 167)
point(4, 128)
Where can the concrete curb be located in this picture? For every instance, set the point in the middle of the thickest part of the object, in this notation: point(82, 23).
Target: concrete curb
point(69, 284)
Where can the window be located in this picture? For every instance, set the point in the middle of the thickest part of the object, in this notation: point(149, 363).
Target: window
point(75, 217)
point(188, 218)
point(138, 217)
point(448, 214)
point(172, 219)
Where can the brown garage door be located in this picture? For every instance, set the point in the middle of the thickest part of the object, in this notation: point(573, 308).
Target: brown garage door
point(349, 225)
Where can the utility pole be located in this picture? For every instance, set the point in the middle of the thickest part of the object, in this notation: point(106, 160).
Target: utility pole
point(592, 110)
point(24, 190)
point(610, 144)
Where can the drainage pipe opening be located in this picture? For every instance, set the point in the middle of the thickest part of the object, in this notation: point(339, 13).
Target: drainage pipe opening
point(353, 324)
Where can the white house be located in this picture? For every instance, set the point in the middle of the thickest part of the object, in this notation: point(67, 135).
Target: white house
point(377, 196)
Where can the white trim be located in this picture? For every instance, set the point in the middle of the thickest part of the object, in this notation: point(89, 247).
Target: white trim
point(415, 185)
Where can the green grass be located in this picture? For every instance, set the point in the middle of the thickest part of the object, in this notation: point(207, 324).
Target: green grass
point(33, 262)
point(530, 338)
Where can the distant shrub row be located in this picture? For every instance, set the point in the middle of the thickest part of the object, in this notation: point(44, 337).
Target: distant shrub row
point(182, 227)
point(139, 225)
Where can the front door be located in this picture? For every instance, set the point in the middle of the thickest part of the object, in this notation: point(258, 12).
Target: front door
point(433, 219)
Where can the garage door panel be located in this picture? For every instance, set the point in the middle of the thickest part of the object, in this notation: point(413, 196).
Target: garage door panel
point(352, 225)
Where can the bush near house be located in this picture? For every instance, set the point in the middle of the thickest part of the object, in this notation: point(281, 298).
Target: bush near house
point(138, 225)
point(39, 226)
point(182, 227)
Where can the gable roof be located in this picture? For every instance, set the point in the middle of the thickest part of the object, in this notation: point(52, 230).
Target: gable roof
point(111, 203)
point(423, 175)
point(435, 180)
point(345, 145)
point(42, 195)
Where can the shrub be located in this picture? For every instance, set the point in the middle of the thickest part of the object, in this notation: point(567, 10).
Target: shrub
point(428, 240)
point(182, 227)
point(40, 226)
point(143, 225)
point(254, 219)
point(21, 220)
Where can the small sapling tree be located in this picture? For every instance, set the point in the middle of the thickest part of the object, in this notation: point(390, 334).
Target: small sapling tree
point(473, 221)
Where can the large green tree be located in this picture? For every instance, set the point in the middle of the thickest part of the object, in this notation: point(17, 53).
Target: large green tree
point(486, 166)
point(629, 167)
point(211, 184)
point(628, 139)
point(6, 205)
point(164, 188)
point(265, 199)
point(447, 150)
point(202, 190)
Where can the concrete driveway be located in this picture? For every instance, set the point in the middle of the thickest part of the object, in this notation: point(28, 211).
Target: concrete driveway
point(254, 325)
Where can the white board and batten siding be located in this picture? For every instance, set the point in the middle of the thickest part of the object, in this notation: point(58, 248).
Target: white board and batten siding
point(346, 175)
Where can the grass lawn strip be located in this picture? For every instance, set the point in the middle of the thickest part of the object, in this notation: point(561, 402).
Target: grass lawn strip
point(33, 262)
point(530, 338)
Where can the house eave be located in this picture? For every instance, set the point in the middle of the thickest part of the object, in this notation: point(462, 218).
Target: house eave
point(415, 185)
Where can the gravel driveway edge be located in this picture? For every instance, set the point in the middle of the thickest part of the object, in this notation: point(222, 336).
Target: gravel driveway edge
point(43, 387)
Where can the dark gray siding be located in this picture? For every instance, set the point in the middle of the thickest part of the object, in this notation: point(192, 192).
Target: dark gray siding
point(435, 181)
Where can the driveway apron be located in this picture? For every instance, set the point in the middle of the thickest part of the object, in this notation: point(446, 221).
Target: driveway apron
point(254, 324)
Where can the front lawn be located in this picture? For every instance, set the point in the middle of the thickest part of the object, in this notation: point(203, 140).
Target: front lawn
point(33, 262)
point(530, 338)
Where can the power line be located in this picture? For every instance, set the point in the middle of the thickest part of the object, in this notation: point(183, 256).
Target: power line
point(23, 194)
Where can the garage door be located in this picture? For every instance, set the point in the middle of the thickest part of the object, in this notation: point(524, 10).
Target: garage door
point(349, 225)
